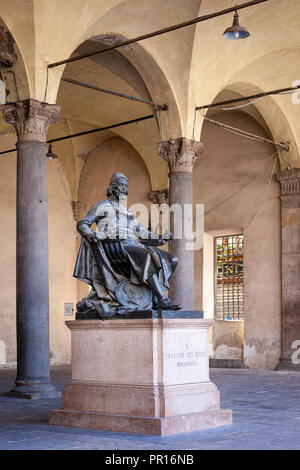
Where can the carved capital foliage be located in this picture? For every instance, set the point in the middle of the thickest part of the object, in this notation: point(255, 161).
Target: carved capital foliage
point(159, 197)
point(31, 118)
point(7, 53)
point(289, 181)
point(180, 154)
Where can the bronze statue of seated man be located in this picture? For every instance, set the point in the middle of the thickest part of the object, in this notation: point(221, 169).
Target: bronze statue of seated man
point(120, 261)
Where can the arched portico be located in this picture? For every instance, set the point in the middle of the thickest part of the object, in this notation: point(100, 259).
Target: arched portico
point(272, 123)
point(130, 73)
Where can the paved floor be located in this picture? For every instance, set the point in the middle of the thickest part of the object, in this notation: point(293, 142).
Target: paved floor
point(265, 404)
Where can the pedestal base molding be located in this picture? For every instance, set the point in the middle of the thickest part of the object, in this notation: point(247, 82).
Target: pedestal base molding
point(159, 426)
point(141, 400)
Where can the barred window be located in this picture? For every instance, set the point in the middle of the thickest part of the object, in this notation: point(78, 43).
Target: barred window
point(229, 290)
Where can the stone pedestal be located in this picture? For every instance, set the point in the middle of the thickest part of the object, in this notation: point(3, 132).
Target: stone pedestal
point(148, 376)
point(290, 236)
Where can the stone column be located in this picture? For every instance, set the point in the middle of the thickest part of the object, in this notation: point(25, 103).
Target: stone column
point(31, 120)
point(160, 200)
point(290, 230)
point(181, 154)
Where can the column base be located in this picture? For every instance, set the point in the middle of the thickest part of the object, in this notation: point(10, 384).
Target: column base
point(287, 364)
point(33, 391)
point(159, 426)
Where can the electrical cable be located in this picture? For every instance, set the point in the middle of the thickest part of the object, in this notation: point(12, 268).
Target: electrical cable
point(264, 196)
point(163, 107)
point(243, 105)
point(195, 114)
point(99, 129)
point(248, 178)
point(243, 133)
point(160, 126)
point(254, 101)
point(257, 95)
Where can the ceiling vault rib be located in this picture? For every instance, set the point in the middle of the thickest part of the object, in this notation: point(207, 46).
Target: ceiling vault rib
point(159, 32)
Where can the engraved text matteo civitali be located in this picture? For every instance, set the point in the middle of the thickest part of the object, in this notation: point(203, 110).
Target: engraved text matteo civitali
point(186, 359)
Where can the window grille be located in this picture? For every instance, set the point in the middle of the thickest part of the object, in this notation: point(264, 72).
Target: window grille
point(229, 291)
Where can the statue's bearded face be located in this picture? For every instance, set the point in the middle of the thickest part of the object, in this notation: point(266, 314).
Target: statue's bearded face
point(120, 188)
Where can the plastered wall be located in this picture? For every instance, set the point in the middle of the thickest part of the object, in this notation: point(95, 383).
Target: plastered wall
point(231, 180)
point(62, 248)
point(8, 252)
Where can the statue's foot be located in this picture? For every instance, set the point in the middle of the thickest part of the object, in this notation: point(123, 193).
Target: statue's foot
point(167, 304)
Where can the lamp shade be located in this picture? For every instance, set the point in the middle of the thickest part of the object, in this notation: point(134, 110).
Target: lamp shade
point(236, 31)
point(50, 155)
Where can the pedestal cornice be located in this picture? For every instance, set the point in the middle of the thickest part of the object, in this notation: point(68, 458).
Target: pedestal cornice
point(180, 154)
point(31, 118)
point(136, 324)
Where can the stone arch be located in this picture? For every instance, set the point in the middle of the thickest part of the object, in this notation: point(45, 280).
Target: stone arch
point(19, 86)
point(145, 77)
point(155, 83)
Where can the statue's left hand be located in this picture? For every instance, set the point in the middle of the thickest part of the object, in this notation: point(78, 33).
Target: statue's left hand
point(168, 235)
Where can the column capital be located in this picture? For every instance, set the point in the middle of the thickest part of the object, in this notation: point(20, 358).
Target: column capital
point(159, 197)
point(289, 182)
point(31, 118)
point(180, 154)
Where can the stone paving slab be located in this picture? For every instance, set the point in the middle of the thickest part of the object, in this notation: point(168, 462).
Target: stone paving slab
point(265, 404)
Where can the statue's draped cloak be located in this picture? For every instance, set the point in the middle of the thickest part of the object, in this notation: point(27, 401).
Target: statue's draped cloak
point(109, 262)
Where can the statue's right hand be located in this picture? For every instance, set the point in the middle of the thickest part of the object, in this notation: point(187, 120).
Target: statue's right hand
point(92, 237)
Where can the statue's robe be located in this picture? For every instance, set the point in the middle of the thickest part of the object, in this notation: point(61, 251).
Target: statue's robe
point(120, 254)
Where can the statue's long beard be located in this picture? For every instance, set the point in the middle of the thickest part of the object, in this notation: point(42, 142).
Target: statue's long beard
point(120, 196)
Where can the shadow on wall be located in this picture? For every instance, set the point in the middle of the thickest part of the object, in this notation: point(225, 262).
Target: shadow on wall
point(62, 253)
